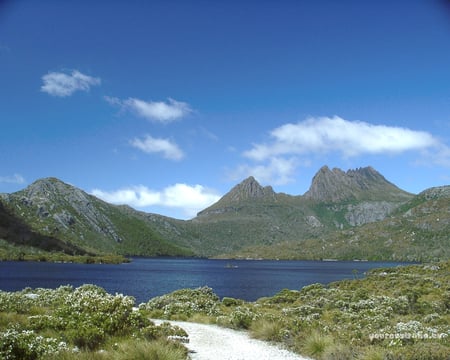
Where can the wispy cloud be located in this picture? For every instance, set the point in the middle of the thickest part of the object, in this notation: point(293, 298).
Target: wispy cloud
point(13, 179)
point(349, 138)
point(159, 111)
point(276, 171)
point(62, 84)
point(151, 145)
point(189, 198)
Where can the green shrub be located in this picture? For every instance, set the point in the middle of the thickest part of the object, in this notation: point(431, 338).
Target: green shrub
point(228, 301)
point(242, 317)
point(86, 337)
point(182, 304)
point(285, 296)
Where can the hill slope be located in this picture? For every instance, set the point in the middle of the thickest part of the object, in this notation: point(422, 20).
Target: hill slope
point(56, 210)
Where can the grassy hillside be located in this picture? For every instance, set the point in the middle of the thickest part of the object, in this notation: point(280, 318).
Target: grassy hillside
point(72, 221)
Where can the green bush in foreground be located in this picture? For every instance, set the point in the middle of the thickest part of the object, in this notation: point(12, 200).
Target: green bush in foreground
point(69, 323)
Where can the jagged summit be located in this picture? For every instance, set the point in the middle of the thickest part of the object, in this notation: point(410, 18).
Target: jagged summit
point(245, 190)
point(249, 188)
point(356, 184)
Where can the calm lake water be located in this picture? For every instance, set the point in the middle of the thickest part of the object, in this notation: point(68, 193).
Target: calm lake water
point(145, 278)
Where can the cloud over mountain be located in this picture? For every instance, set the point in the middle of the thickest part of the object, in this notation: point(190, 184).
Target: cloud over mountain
point(349, 138)
point(294, 144)
point(189, 198)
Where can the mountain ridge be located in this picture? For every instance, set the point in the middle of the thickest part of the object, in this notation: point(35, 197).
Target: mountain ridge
point(249, 216)
point(362, 184)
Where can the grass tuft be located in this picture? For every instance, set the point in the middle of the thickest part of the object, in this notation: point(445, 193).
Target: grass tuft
point(269, 330)
point(317, 344)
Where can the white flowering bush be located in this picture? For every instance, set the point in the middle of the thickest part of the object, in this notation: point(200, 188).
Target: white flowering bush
point(27, 345)
point(41, 323)
point(186, 303)
point(242, 317)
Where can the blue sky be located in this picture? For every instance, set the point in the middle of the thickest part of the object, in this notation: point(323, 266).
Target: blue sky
point(166, 105)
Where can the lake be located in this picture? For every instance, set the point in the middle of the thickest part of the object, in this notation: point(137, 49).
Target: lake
point(145, 278)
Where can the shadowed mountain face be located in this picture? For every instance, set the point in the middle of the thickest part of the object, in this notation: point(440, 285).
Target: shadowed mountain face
point(16, 232)
point(356, 204)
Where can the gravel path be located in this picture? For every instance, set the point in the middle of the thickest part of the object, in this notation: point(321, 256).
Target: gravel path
point(211, 342)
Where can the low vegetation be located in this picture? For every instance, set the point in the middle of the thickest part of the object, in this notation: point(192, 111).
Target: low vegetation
point(392, 314)
point(10, 252)
point(397, 314)
point(81, 323)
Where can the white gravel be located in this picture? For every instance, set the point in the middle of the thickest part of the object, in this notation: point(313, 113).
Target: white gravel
point(211, 342)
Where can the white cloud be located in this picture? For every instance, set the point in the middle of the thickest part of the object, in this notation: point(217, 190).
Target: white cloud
point(440, 155)
point(149, 144)
point(62, 85)
point(163, 112)
point(349, 138)
point(277, 171)
point(14, 179)
point(297, 144)
point(190, 199)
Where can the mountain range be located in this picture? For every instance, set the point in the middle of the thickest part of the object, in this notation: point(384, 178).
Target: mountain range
point(354, 214)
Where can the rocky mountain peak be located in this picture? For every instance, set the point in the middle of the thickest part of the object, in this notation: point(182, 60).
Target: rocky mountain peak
point(245, 190)
point(249, 188)
point(362, 184)
point(44, 187)
point(52, 190)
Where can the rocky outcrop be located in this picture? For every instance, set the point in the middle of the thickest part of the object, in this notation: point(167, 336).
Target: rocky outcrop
point(436, 192)
point(368, 212)
point(360, 184)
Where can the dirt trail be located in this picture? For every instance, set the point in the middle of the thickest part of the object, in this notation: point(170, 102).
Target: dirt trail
point(211, 342)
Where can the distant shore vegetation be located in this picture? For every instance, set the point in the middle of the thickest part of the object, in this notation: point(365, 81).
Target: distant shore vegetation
point(9, 252)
